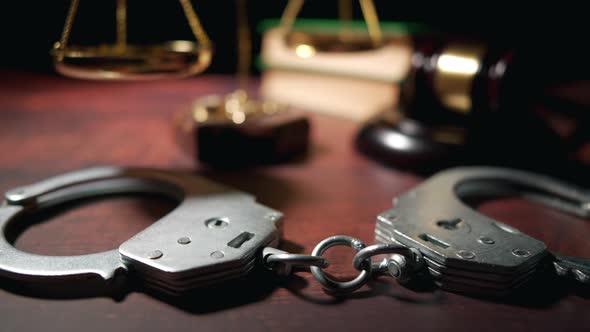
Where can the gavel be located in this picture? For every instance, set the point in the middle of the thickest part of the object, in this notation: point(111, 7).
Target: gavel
point(471, 102)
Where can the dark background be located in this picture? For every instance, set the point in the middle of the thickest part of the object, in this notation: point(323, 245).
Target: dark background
point(31, 27)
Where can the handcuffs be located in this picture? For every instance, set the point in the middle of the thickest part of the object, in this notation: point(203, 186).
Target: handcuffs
point(217, 233)
point(213, 235)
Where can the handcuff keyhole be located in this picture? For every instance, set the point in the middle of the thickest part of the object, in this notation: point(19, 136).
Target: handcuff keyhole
point(217, 222)
point(451, 224)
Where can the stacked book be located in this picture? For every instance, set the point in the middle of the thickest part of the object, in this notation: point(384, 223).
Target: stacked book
point(324, 67)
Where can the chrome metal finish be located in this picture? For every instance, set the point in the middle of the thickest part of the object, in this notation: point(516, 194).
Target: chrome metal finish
point(184, 240)
point(336, 286)
point(578, 268)
point(467, 251)
point(402, 263)
point(384, 248)
point(283, 262)
point(155, 254)
point(175, 254)
point(217, 233)
point(397, 267)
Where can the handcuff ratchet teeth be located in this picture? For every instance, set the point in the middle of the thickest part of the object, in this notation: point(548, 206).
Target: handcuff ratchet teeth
point(213, 235)
point(468, 252)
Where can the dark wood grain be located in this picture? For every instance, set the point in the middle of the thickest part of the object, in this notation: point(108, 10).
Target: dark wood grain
point(49, 125)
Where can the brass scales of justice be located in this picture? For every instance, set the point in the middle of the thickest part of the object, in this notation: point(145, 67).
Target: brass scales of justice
point(124, 61)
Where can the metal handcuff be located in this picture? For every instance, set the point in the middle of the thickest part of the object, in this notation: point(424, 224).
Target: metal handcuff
point(217, 234)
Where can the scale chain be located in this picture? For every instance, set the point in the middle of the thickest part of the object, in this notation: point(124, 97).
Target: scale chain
point(121, 18)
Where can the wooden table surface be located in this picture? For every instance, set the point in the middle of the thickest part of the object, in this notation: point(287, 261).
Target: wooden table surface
point(49, 125)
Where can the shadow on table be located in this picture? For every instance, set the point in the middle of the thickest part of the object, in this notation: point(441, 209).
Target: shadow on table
point(543, 291)
point(254, 287)
point(419, 294)
point(259, 285)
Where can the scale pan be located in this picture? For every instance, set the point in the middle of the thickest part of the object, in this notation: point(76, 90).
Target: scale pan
point(173, 59)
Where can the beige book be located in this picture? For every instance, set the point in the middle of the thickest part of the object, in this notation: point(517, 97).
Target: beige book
point(353, 85)
point(388, 63)
point(355, 99)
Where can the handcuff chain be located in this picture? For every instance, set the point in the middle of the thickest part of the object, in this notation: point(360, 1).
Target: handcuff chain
point(402, 264)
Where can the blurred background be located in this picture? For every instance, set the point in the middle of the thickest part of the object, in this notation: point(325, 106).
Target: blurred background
point(405, 119)
point(30, 28)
